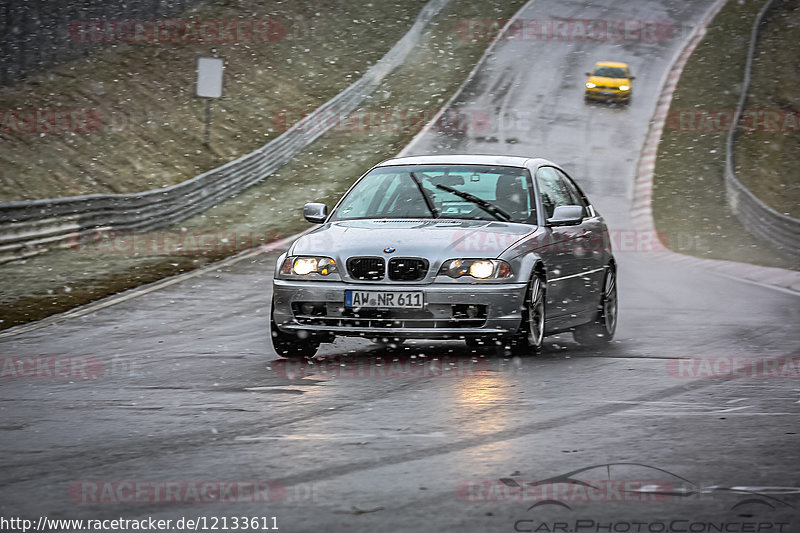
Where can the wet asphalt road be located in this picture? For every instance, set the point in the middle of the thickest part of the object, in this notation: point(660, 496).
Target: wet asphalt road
point(186, 389)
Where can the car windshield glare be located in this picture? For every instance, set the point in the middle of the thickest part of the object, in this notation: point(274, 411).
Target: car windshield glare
point(610, 72)
point(440, 191)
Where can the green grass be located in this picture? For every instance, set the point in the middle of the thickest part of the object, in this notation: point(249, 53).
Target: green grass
point(152, 125)
point(768, 162)
point(689, 201)
point(60, 279)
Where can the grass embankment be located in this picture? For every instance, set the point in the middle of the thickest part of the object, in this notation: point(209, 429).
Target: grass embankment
point(689, 202)
point(768, 162)
point(150, 128)
point(61, 279)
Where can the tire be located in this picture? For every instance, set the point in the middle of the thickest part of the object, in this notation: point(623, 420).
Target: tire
point(530, 339)
point(303, 345)
point(601, 330)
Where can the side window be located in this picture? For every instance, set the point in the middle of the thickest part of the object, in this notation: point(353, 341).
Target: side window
point(574, 193)
point(553, 190)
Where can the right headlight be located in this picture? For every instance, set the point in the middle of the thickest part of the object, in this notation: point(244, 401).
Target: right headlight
point(305, 265)
point(476, 268)
point(590, 85)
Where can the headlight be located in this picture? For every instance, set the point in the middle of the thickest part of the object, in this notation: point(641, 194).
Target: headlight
point(590, 85)
point(624, 87)
point(304, 265)
point(477, 268)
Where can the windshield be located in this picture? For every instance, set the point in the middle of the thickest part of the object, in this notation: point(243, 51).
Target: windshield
point(610, 72)
point(441, 191)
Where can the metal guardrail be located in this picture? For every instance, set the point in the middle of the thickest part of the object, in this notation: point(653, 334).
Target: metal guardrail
point(31, 227)
point(757, 217)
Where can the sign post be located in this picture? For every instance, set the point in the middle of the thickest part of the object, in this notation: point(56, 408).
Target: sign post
point(209, 85)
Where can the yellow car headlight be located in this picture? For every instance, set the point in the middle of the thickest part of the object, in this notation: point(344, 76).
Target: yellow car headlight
point(590, 85)
point(624, 87)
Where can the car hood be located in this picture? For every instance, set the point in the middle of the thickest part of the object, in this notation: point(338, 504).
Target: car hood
point(609, 82)
point(430, 239)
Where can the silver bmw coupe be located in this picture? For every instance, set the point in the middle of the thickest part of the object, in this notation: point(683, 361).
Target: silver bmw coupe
point(504, 250)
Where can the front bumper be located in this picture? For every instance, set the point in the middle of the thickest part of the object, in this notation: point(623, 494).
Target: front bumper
point(607, 95)
point(450, 310)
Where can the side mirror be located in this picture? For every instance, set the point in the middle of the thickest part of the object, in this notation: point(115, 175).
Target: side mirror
point(566, 215)
point(588, 73)
point(315, 213)
point(632, 78)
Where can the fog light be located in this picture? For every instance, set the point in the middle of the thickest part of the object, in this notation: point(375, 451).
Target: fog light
point(472, 311)
point(307, 308)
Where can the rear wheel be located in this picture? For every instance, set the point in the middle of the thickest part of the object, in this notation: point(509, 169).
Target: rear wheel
point(530, 339)
point(302, 345)
point(601, 330)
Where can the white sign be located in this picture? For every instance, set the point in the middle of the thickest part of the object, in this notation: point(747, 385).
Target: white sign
point(209, 77)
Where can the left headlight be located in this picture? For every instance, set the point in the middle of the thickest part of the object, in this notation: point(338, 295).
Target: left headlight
point(305, 265)
point(590, 85)
point(477, 268)
point(624, 87)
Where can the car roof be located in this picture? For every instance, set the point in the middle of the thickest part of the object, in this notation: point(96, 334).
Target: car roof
point(611, 64)
point(464, 159)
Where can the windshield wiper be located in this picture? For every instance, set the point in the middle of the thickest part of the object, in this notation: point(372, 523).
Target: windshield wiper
point(428, 200)
point(497, 212)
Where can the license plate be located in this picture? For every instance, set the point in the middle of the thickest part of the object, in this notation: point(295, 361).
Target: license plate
point(385, 299)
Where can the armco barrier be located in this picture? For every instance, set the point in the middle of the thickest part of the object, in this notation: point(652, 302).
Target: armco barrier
point(757, 217)
point(30, 227)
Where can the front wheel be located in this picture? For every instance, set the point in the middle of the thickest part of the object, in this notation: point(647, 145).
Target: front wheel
point(601, 330)
point(289, 345)
point(530, 338)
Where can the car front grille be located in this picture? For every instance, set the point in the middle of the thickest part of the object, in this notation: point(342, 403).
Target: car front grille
point(407, 269)
point(400, 268)
point(366, 268)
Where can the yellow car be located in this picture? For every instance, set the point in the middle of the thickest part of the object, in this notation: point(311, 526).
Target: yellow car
point(610, 81)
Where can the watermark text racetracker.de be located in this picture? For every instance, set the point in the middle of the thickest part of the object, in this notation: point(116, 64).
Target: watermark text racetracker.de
point(617, 240)
point(168, 242)
point(382, 120)
point(176, 491)
point(64, 367)
point(139, 491)
point(787, 367)
point(785, 121)
point(45, 121)
point(547, 29)
point(176, 31)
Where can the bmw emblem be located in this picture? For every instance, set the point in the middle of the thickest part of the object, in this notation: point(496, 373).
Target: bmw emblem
point(389, 250)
